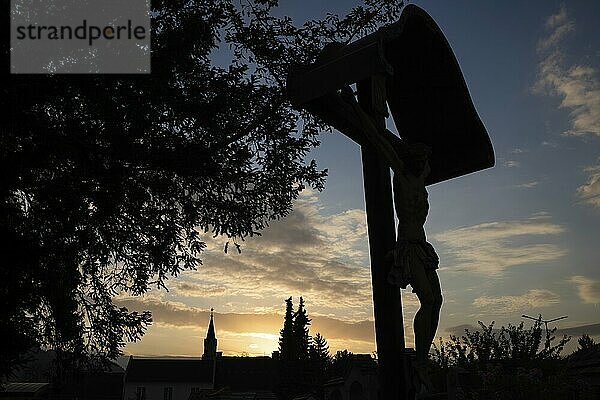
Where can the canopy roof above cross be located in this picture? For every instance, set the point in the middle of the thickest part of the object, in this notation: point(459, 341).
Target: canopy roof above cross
point(425, 90)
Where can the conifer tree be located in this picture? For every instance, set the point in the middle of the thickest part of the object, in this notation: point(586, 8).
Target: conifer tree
point(319, 350)
point(300, 327)
point(320, 364)
point(286, 335)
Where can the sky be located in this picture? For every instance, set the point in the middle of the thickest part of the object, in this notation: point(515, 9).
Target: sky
point(519, 238)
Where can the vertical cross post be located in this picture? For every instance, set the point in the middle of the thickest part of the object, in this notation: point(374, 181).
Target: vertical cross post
point(389, 328)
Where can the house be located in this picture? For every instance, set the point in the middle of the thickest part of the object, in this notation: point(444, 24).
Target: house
point(34, 380)
point(213, 376)
point(356, 380)
point(246, 373)
point(167, 379)
point(94, 385)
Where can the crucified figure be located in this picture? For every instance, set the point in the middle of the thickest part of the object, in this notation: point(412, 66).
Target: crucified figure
point(413, 260)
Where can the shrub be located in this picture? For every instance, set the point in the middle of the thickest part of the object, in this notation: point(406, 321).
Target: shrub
point(509, 363)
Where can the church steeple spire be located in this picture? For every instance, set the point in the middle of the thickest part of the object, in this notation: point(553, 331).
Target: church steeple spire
point(210, 343)
point(211, 326)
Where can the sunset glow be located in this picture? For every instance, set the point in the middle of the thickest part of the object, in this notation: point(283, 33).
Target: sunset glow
point(519, 238)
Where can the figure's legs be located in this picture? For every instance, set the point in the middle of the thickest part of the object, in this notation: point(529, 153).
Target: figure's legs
point(423, 319)
point(427, 287)
point(434, 282)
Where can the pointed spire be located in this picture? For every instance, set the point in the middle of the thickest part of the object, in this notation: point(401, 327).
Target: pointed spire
point(210, 343)
point(211, 327)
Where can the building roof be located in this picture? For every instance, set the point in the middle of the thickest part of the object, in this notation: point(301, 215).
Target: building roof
point(24, 387)
point(247, 373)
point(169, 370)
point(227, 394)
point(306, 396)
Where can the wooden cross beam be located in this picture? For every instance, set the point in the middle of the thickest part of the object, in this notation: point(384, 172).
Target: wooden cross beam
point(424, 88)
point(410, 67)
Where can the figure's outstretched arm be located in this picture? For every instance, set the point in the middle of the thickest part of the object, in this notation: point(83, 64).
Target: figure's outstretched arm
point(383, 140)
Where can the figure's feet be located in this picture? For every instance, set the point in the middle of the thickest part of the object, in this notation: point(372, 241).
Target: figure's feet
point(423, 383)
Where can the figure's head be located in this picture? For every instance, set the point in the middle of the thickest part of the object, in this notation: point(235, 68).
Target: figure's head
point(417, 155)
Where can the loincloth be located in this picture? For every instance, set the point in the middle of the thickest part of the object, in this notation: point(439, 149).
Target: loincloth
point(403, 256)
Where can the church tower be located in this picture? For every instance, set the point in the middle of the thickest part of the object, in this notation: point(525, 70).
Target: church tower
point(210, 343)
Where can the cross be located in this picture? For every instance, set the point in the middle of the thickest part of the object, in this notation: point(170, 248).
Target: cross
point(409, 67)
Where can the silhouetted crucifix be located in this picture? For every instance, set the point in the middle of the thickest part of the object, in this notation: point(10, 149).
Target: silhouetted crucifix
point(409, 67)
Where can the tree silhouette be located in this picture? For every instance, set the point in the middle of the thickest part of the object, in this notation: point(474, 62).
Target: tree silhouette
point(300, 329)
point(320, 363)
point(340, 360)
point(319, 350)
point(304, 361)
point(287, 346)
point(111, 182)
point(585, 342)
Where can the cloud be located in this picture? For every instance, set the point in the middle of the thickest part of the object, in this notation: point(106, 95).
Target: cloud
point(528, 185)
point(577, 85)
point(195, 290)
point(549, 144)
point(534, 298)
point(511, 164)
point(178, 315)
point(591, 330)
point(459, 330)
point(558, 26)
point(493, 247)
point(587, 288)
point(589, 192)
point(323, 258)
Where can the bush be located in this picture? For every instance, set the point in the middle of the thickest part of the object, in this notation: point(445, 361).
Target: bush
point(508, 363)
